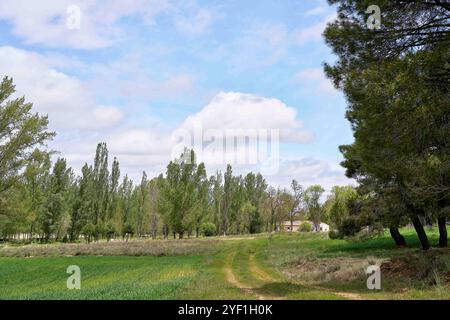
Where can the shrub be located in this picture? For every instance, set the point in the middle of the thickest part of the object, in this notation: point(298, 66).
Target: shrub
point(349, 227)
point(305, 227)
point(208, 229)
point(333, 234)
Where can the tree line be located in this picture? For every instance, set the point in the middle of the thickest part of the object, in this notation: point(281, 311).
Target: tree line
point(48, 202)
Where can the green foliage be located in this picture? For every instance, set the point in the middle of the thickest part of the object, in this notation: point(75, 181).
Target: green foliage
point(333, 234)
point(336, 207)
point(396, 83)
point(128, 229)
point(305, 227)
point(315, 209)
point(208, 229)
point(89, 231)
point(20, 132)
point(350, 226)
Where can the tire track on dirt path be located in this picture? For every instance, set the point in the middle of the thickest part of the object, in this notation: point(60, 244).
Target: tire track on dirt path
point(260, 273)
point(347, 295)
point(232, 279)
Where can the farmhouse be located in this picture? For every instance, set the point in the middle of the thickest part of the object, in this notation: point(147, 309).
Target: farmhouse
point(323, 227)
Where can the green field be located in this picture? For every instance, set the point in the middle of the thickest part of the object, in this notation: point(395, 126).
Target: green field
point(278, 266)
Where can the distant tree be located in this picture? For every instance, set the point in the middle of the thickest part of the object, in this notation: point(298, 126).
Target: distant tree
point(101, 182)
point(54, 214)
point(216, 200)
point(248, 212)
point(295, 201)
point(336, 205)
point(88, 231)
point(82, 211)
point(179, 194)
point(314, 207)
point(36, 177)
point(154, 215)
point(255, 188)
point(272, 204)
point(114, 190)
point(142, 204)
point(228, 191)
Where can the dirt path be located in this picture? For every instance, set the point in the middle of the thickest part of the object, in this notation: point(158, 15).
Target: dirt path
point(346, 295)
point(266, 278)
point(231, 278)
point(258, 272)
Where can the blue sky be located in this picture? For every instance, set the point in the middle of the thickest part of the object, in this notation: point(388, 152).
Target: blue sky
point(135, 71)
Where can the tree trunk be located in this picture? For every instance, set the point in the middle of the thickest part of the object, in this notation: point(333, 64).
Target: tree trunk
point(420, 232)
point(397, 236)
point(413, 213)
point(442, 223)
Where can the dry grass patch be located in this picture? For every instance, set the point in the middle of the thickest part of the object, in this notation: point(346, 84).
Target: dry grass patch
point(430, 268)
point(116, 248)
point(319, 270)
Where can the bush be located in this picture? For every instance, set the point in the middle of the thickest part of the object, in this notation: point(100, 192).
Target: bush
point(349, 227)
point(208, 229)
point(305, 227)
point(333, 234)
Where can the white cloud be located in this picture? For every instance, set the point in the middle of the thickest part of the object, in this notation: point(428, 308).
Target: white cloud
point(45, 21)
point(315, 78)
point(105, 116)
point(149, 148)
point(309, 171)
point(65, 99)
point(235, 110)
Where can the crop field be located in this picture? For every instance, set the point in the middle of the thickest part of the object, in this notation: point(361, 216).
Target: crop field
point(266, 266)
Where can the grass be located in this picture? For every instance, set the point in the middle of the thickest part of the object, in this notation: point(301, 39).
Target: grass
point(280, 266)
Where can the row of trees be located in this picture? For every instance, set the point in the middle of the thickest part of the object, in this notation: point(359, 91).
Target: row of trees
point(396, 81)
point(48, 202)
